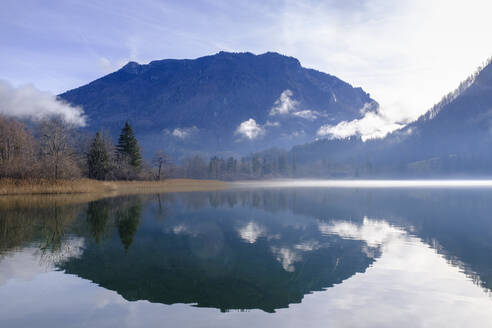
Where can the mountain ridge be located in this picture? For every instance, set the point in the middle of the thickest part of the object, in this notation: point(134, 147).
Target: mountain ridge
point(453, 138)
point(199, 105)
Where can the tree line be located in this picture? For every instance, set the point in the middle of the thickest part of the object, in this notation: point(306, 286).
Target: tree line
point(48, 150)
point(54, 149)
point(271, 163)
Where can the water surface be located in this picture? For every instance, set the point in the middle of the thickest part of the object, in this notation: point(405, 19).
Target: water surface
point(286, 257)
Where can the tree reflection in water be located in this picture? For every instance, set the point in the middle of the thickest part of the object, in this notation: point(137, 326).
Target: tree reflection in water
point(247, 249)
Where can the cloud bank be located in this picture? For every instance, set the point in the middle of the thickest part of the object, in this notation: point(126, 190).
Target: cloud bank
point(27, 102)
point(374, 124)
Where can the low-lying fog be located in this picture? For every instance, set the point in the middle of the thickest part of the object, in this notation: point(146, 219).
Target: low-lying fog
point(303, 183)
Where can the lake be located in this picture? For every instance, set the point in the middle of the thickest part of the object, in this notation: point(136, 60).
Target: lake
point(249, 257)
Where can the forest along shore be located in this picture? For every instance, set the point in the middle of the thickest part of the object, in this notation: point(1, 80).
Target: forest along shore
point(42, 186)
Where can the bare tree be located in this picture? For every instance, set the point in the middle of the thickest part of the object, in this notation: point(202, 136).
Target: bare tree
point(160, 161)
point(16, 149)
point(56, 149)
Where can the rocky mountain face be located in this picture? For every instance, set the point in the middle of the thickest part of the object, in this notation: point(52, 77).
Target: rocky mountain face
point(225, 104)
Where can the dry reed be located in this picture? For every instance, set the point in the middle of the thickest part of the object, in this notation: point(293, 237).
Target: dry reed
point(109, 188)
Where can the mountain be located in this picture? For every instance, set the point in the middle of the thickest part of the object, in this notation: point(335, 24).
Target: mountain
point(458, 126)
point(227, 103)
point(453, 138)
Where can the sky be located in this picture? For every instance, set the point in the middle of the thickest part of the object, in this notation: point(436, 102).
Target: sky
point(407, 54)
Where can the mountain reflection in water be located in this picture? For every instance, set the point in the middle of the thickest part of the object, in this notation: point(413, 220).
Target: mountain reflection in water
point(310, 257)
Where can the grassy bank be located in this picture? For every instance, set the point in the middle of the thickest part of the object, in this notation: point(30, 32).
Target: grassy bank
point(87, 186)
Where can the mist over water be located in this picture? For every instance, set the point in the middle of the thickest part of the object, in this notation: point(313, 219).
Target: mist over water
point(306, 183)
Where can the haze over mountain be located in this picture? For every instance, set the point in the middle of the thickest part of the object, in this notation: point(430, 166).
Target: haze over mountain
point(454, 137)
point(227, 103)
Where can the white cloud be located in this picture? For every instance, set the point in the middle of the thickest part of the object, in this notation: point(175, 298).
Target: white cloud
point(286, 257)
point(27, 102)
point(183, 229)
point(372, 125)
point(179, 229)
point(251, 232)
point(296, 134)
point(69, 249)
point(274, 124)
point(184, 133)
point(308, 246)
point(307, 114)
point(27, 263)
point(284, 104)
point(180, 133)
point(373, 232)
point(250, 129)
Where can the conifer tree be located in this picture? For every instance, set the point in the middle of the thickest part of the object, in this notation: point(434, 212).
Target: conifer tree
point(128, 148)
point(128, 220)
point(98, 159)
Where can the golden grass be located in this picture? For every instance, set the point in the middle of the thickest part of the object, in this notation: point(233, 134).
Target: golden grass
point(105, 188)
point(17, 186)
point(15, 201)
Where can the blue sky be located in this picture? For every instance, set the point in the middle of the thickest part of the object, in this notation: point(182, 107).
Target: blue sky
point(406, 53)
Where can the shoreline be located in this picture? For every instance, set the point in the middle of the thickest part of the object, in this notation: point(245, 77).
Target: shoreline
point(10, 187)
point(19, 187)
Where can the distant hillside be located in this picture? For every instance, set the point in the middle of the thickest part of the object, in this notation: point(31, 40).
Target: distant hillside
point(228, 103)
point(453, 138)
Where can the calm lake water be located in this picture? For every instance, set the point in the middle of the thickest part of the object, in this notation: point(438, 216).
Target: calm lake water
point(295, 257)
